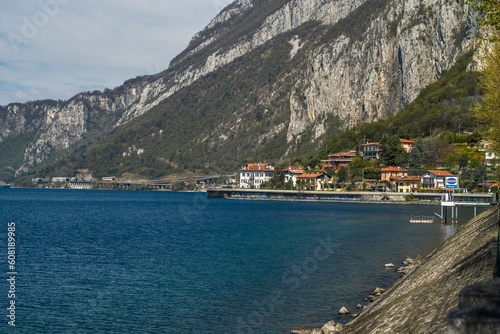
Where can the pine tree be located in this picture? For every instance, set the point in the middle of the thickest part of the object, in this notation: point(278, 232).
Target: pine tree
point(416, 154)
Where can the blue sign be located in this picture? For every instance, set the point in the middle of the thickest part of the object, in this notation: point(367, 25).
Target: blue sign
point(452, 182)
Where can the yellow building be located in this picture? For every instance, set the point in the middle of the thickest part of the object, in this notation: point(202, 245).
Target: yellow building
point(406, 184)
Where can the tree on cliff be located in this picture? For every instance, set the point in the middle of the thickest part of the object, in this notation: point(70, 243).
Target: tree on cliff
point(490, 10)
point(489, 110)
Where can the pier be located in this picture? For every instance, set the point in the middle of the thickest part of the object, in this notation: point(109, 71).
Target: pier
point(421, 220)
point(453, 201)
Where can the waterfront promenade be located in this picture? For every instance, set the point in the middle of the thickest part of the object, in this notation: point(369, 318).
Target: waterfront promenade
point(351, 196)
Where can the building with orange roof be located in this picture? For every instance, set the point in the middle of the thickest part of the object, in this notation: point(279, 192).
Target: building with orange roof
point(255, 174)
point(407, 144)
point(340, 158)
point(433, 179)
point(406, 184)
point(291, 173)
point(370, 150)
point(314, 180)
point(390, 172)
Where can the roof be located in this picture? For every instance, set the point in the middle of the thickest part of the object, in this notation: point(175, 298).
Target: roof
point(442, 173)
point(292, 169)
point(406, 141)
point(394, 169)
point(310, 175)
point(258, 168)
point(415, 178)
point(370, 144)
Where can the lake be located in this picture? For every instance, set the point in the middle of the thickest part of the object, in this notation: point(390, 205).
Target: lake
point(160, 262)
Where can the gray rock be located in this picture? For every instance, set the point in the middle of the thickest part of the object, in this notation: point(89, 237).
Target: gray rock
point(343, 310)
point(360, 306)
point(329, 327)
point(302, 330)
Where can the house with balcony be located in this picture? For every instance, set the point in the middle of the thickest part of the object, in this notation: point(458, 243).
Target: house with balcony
point(255, 174)
point(338, 160)
point(314, 180)
point(438, 179)
point(370, 150)
point(388, 173)
point(291, 173)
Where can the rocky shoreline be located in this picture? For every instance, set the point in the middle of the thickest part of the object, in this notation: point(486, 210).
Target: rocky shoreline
point(331, 327)
point(421, 300)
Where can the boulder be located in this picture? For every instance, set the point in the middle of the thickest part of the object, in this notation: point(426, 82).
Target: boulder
point(302, 330)
point(377, 290)
point(343, 310)
point(329, 327)
point(360, 306)
point(389, 265)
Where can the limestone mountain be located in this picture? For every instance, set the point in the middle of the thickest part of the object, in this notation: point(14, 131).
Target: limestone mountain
point(263, 80)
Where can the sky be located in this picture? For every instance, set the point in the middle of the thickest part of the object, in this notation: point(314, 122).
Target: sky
point(53, 49)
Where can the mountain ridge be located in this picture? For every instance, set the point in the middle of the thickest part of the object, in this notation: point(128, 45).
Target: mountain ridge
point(335, 67)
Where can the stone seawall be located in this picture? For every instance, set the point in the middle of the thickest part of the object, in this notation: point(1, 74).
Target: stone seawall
point(421, 301)
point(353, 196)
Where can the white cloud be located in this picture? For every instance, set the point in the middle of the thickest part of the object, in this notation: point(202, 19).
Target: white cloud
point(57, 48)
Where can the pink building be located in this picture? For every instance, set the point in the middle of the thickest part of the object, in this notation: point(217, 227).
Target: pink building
point(407, 144)
point(391, 172)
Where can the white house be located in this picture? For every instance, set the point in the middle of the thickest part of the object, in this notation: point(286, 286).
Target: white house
point(490, 157)
point(255, 175)
point(291, 173)
point(434, 179)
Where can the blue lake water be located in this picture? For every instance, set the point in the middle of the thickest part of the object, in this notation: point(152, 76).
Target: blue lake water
point(161, 262)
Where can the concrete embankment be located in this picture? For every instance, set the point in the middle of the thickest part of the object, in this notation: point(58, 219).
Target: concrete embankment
point(421, 301)
point(342, 196)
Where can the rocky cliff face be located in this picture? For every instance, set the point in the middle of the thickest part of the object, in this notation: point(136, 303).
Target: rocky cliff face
point(369, 76)
point(373, 58)
point(57, 125)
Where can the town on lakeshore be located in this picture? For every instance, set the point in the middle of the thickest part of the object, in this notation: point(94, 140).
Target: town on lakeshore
point(354, 170)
